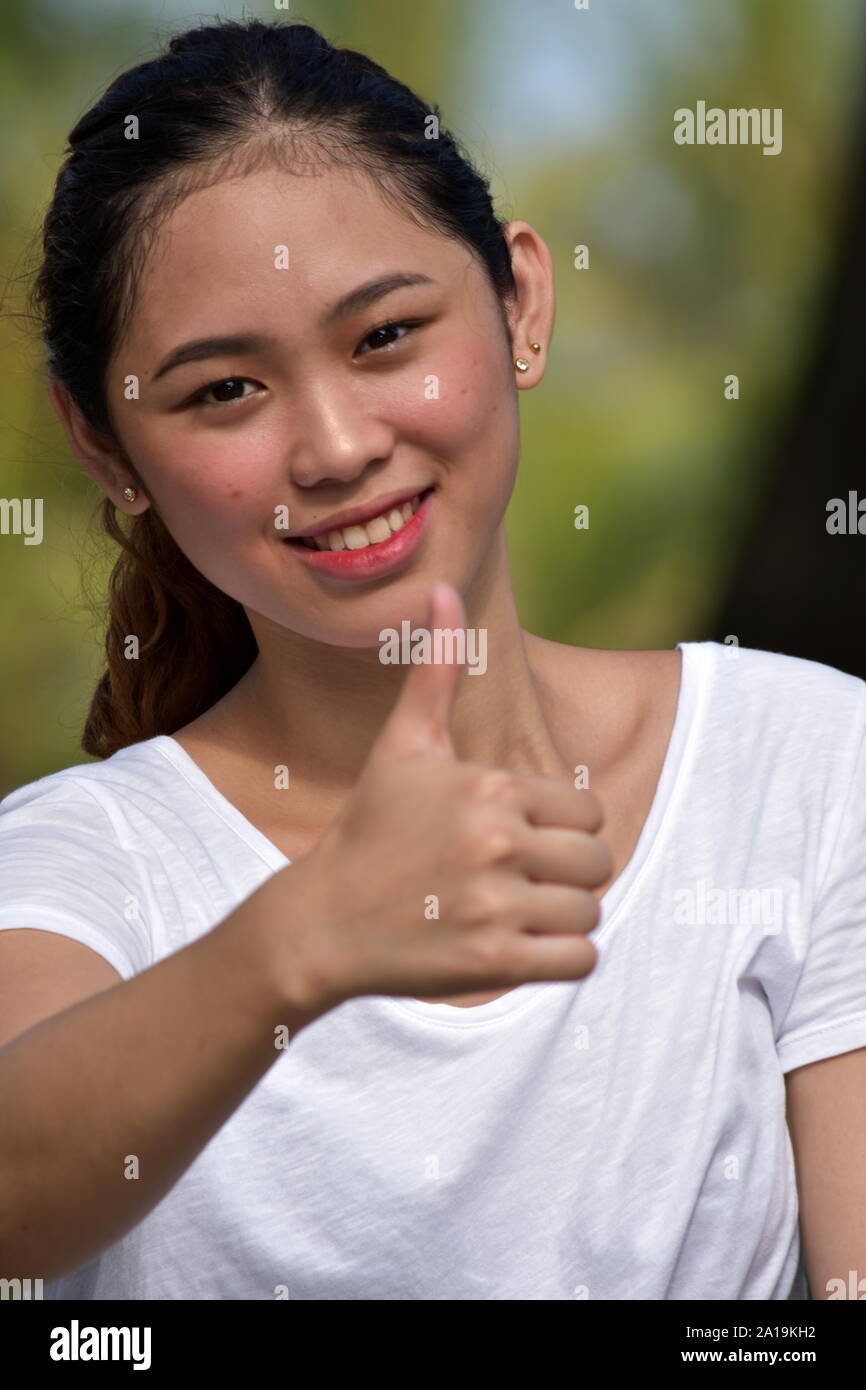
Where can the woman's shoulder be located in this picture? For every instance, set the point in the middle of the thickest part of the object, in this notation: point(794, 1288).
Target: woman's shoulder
point(742, 693)
point(599, 664)
point(777, 697)
point(615, 693)
point(72, 862)
point(618, 673)
point(88, 793)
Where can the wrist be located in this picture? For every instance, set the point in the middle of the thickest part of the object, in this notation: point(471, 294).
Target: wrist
point(289, 941)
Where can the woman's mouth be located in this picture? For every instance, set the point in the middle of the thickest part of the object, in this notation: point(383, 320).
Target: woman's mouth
point(375, 547)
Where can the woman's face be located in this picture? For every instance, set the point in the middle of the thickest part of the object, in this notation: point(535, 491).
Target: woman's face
point(326, 412)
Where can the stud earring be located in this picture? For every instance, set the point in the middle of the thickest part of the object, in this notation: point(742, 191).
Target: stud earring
point(536, 347)
point(130, 494)
point(521, 364)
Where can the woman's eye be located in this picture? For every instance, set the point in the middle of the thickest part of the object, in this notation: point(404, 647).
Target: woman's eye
point(229, 383)
point(381, 342)
point(225, 392)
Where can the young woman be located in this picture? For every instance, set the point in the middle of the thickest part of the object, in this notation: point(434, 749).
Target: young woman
point(298, 992)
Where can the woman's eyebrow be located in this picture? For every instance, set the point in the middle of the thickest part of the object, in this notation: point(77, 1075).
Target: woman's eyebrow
point(360, 298)
point(371, 291)
point(200, 348)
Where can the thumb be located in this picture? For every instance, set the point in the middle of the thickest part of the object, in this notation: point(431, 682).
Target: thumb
point(420, 722)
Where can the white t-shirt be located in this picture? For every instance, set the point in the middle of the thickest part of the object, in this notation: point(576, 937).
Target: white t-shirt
point(619, 1137)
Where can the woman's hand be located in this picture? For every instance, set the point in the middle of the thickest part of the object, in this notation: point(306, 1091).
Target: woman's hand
point(443, 877)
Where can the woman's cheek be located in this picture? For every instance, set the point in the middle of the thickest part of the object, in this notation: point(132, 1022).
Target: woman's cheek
point(456, 409)
point(219, 491)
point(217, 525)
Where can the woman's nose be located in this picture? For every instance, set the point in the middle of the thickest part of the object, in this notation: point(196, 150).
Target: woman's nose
point(334, 435)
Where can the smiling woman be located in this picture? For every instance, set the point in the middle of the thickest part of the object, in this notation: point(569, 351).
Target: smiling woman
point(296, 156)
point(286, 333)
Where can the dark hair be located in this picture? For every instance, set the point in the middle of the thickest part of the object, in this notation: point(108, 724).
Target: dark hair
point(225, 94)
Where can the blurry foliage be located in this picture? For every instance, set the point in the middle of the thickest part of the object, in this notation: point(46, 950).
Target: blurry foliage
point(703, 261)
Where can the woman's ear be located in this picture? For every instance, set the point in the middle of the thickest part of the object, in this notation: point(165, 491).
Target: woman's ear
point(98, 454)
point(530, 315)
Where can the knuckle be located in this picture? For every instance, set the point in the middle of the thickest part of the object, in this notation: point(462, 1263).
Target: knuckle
point(485, 842)
point(495, 844)
point(496, 955)
point(481, 903)
point(495, 784)
point(502, 845)
point(514, 957)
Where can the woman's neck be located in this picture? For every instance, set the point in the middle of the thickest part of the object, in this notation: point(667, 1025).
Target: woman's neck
point(319, 708)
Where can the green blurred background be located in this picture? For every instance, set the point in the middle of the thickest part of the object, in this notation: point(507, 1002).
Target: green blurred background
point(703, 262)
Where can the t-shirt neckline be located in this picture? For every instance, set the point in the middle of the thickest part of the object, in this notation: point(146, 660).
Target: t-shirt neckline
point(613, 901)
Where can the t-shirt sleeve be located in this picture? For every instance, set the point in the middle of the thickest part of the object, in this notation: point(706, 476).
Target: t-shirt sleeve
point(827, 1010)
point(64, 869)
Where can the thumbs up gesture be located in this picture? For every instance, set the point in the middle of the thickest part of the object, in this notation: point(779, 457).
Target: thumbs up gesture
point(443, 877)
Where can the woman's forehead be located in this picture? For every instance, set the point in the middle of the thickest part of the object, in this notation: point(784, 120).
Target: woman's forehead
point(271, 243)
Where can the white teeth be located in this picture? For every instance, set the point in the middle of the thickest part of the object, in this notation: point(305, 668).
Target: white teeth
point(355, 537)
point(377, 529)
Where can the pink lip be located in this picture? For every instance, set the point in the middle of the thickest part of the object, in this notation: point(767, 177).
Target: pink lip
point(356, 516)
point(380, 558)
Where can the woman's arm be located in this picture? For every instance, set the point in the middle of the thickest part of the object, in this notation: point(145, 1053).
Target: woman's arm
point(150, 1067)
point(827, 1120)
